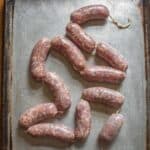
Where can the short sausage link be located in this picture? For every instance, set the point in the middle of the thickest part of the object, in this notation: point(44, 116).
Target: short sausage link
point(102, 74)
point(88, 13)
point(38, 57)
point(37, 114)
point(49, 130)
point(68, 49)
point(111, 128)
point(60, 91)
point(83, 120)
point(110, 55)
point(104, 96)
point(80, 38)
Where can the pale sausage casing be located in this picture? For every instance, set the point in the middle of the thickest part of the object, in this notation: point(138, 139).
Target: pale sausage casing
point(102, 74)
point(111, 128)
point(37, 114)
point(104, 96)
point(80, 38)
point(38, 57)
point(88, 13)
point(71, 52)
point(83, 120)
point(57, 131)
point(110, 55)
point(60, 91)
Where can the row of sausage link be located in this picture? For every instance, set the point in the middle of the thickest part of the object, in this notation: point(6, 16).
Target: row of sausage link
point(76, 58)
point(31, 119)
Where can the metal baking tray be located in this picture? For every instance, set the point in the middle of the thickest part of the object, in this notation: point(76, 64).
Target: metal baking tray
point(28, 21)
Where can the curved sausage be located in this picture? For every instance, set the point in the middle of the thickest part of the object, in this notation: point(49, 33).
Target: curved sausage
point(83, 120)
point(56, 131)
point(65, 47)
point(88, 13)
point(37, 113)
point(38, 57)
point(104, 96)
point(111, 128)
point(80, 38)
point(61, 94)
point(110, 55)
point(102, 74)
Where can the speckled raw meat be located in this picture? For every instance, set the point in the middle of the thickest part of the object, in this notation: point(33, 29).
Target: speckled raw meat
point(70, 51)
point(50, 130)
point(37, 114)
point(111, 128)
point(110, 55)
point(38, 57)
point(80, 38)
point(83, 120)
point(102, 74)
point(104, 96)
point(89, 13)
point(59, 90)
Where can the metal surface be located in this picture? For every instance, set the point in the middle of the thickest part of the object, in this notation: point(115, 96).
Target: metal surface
point(35, 19)
point(7, 77)
point(146, 17)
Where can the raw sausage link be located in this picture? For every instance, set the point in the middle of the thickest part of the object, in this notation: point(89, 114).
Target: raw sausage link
point(83, 120)
point(38, 57)
point(57, 131)
point(88, 13)
point(61, 94)
point(70, 51)
point(111, 128)
point(80, 38)
point(110, 55)
point(104, 96)
point(102, 74)
point(37, 113)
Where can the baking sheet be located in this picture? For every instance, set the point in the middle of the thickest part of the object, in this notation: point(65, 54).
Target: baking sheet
point(36, 19)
